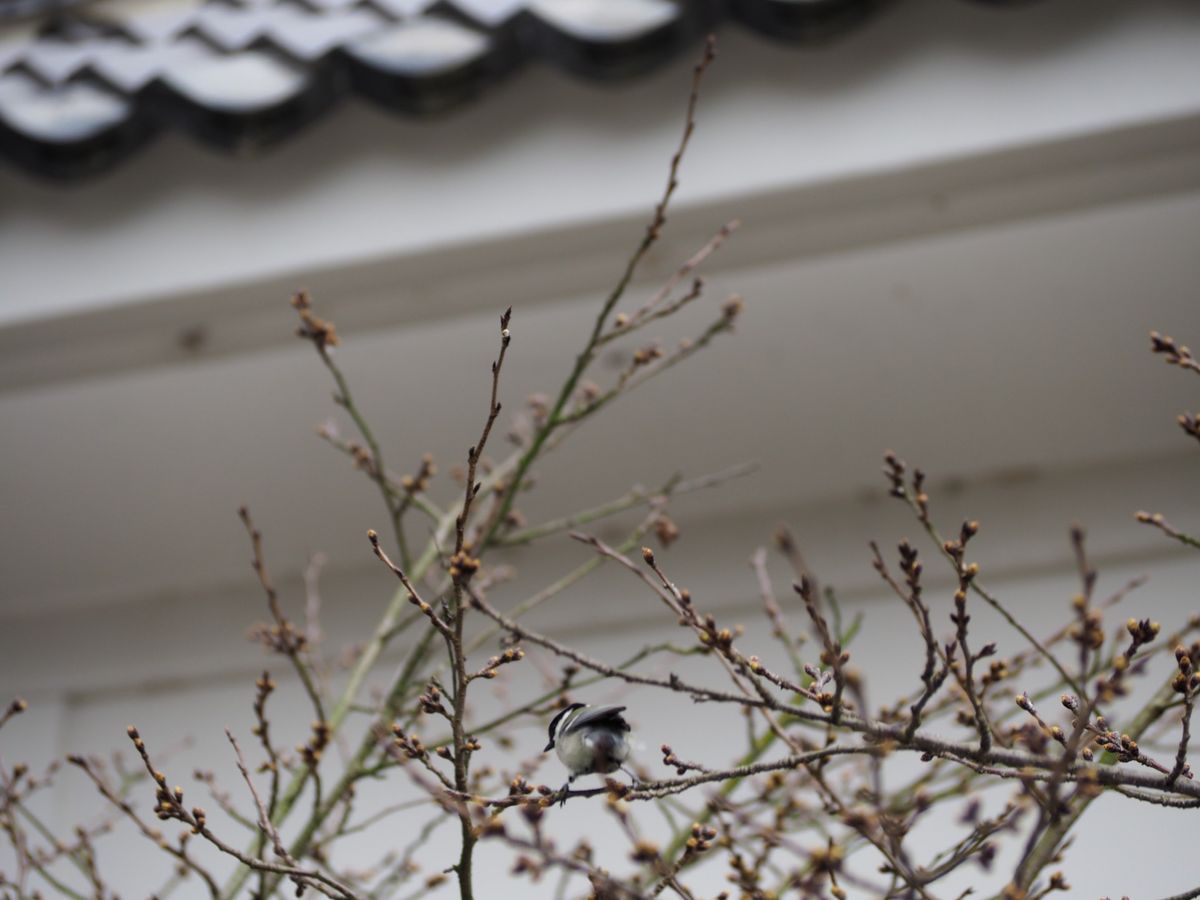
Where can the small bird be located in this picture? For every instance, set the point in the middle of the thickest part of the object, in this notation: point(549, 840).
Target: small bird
point(590, 740)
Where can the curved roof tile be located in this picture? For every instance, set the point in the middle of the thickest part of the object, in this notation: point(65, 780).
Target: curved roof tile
point(85, 84)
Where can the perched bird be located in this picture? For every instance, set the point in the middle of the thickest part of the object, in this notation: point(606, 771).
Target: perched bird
point(590, 740)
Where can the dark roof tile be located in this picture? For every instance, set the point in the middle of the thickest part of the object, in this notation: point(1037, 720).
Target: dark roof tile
point(69, 130)
point(308, 38)
point(85, 84)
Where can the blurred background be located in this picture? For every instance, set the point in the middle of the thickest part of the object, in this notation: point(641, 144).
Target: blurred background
point(960, 220)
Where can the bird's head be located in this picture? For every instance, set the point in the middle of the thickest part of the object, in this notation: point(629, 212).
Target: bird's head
point(561, 721)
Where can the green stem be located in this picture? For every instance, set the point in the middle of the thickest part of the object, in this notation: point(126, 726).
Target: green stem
point(1047, 846)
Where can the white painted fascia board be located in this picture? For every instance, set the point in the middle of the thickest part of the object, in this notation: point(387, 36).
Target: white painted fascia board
point(792, 222)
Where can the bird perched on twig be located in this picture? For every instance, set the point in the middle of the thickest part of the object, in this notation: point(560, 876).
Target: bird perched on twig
point(590, 740)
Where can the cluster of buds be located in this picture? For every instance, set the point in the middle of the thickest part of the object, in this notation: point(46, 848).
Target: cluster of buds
point(720, 638)
point(732, 307)
point(997, 671)
point(314, 747)
point(430, 702)
point(823, 686)
point(986, 856)
point(419, 483)
point(1148, 518)
point(1071, 703)
point(956, 549)
point(489, 670)
point(1160, 522)
point(279, 637)
point(834, 656)
point(1088, 632)
point(825, 862)
point(745, 875)
point(409, 745)
point(643, 356)
point(670, 759)
point(361, 456)
point(820, 679)
point(616, 793)
point(526, 865)
point(701, 839)
point(911, 566)
point(894, 468)
point(832, 653)
point(665, 530)
point(1190, 423)
point(520, 787)
point(463, 565)
point(644, 851)
point(1035, 738)
point(491, 826)
point(264, 685)
point(15, 708)
point(1176, 354)
point(1122, 746)
point(1187, 681)
point(969, 529)
point(1141, 632)
point(168, 802)
point(311, 328)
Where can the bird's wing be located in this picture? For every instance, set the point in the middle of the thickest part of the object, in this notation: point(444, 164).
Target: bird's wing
point(601, 715)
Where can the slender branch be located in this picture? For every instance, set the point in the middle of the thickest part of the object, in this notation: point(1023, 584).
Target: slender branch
point(1174, 354)
point(918, 501)
point(674, 487)
point(152, 834)
point(15, 708)
point(1157, 521)
point(413, 595)
point(584, 359)
point(284, 637)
